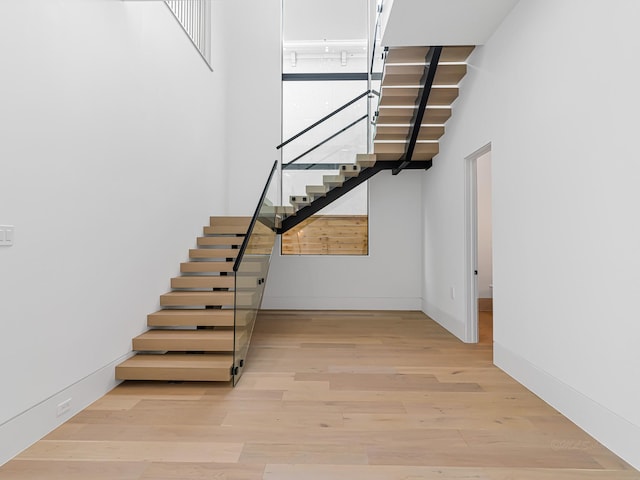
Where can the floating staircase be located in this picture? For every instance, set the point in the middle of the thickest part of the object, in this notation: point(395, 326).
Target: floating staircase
point(204, 325)
point(418, 88)
point(192, 338)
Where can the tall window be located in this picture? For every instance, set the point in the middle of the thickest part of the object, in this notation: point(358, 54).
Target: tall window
point(324, 66)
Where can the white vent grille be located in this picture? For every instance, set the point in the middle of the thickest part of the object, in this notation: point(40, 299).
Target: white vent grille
point(195, 18)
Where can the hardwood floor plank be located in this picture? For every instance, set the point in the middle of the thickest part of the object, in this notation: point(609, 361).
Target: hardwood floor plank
point(128, 451)
point(202, 471)
point(71, 470)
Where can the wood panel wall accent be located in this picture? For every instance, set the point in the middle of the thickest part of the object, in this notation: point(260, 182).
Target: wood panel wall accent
point(328, 235)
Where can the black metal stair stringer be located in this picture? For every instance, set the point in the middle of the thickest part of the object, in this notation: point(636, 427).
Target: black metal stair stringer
point(431, 65)
point(337, 192)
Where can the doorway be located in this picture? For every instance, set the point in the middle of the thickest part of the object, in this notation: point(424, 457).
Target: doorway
point(479, 263)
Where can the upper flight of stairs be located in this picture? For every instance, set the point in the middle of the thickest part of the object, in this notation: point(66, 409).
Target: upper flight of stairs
point(401, 90)
point(192, 337)
point(399, 97)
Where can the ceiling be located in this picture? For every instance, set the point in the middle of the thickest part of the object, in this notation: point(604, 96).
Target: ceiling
point(442, 22)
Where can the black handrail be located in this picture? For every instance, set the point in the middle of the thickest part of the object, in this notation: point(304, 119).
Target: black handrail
point(285, 165)
point(324, 119)
point(245, 242)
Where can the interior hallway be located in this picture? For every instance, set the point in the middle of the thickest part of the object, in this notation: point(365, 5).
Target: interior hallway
point(329, 395)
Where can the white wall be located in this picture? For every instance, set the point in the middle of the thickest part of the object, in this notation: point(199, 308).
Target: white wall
point(253, 93)
point(387, 279)
point(485, 244)
point(109, 129)
point(563, 127)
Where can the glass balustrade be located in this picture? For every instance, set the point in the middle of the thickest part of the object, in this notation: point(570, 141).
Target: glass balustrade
point(251, 270)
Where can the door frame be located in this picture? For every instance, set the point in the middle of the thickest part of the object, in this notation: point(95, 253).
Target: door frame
point(471, 241)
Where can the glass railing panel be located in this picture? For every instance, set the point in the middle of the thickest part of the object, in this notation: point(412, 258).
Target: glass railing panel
point(305, 103)
point(251, 273)
point(323, 160)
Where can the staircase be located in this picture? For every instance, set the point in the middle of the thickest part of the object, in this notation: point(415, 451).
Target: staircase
point(203, 330)
point(418, 88)
point(193, 337)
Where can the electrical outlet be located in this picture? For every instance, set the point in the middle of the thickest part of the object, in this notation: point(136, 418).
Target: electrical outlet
point(63, 407)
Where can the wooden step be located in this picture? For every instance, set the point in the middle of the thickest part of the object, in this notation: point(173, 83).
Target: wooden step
point(212, 367)
point(406, 55)
point(365, 160)
point(299, 201)
point(403, 116)
point(202, 281)
point(394, 151)
point(418, 54)
point(386, 133)
point(230, 221)
point(225, 230)
point(220, 240)
point(408, 96)
point(201, 317)
point(206, 267)
point(456, 53)
point(349, 170)
point(220, 340)
point(285, 210)
point(213, 252)
point(317, 190)
point(332, 181)
point(184, 299)
point(403, 76)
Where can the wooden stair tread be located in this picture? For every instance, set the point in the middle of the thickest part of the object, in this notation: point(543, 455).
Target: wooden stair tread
point(445, 75)
point(386, 133)
point(202, 281)
point(197, 298)
point(185, 340)
point(213, 252)
point(228, 221)
point(201, 267)
point(408, 96)
point(406, 55)
point(219, 240)
point(405, 115)
point(191, 317)
point(180, 367)
point(458, 53)
point(393, 151)
point(225, 229)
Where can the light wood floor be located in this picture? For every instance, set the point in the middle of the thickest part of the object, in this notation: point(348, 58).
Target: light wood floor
point(331, 396)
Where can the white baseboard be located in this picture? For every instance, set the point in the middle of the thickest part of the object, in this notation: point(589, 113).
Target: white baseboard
point(447, 321)
point(25, 429)
point(340, 303)
point(613, 431)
